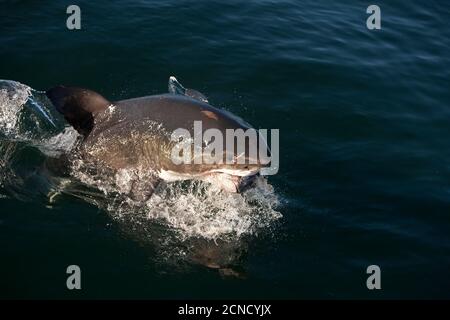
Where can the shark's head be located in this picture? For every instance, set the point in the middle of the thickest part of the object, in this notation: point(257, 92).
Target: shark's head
point(230, 160)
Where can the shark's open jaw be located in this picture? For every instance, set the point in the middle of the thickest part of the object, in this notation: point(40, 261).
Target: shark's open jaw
point(230, 180)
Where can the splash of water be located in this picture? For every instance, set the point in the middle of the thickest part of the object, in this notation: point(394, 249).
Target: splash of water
point(13, 96)
point(26, 115)
point(201, 210)
point(28, 123)
point(190, 208)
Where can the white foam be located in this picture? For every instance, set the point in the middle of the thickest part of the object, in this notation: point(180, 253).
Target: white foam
point(13, 96)
point(201, 210)
point(191, 208)
point(60, 143)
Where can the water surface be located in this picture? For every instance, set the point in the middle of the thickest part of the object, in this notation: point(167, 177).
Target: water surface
point(364, 134)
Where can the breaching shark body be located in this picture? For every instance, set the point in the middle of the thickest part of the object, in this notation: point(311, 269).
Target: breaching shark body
point(136, 134)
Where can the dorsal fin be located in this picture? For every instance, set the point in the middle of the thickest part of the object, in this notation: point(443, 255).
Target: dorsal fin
point(78, 106)
point(176, 88)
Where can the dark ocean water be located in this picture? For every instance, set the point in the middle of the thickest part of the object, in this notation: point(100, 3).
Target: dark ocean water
point(364, 119)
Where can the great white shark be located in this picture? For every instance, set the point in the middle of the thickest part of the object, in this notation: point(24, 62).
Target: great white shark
point(136, 133)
